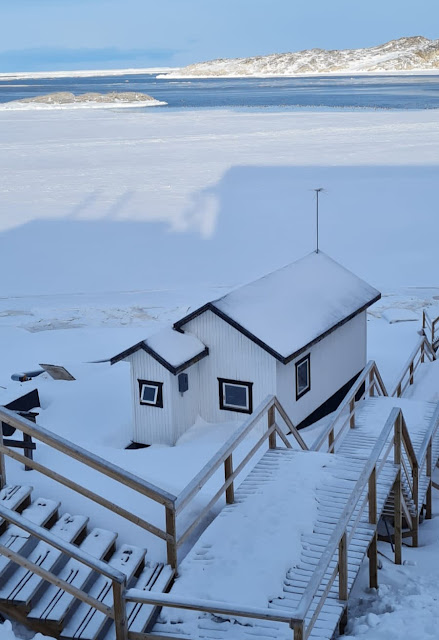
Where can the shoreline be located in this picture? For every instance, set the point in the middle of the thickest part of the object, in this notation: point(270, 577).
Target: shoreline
point(169, 73)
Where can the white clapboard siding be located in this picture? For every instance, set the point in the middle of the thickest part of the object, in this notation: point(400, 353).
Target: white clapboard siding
point(333, 362)
point(232, 356)
point(151, 424)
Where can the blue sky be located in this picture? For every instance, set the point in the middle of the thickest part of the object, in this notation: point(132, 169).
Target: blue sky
point(75, 34)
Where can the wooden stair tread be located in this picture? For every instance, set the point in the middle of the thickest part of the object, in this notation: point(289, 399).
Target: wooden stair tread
point(154, 577)
point(40, 512)
point(55, 603)
point(14, 497)
point(86, 623)
point(23, 584)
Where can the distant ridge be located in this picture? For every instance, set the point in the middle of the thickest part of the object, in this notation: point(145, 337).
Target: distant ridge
point(405, 54)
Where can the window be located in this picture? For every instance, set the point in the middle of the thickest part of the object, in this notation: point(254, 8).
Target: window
point(235, 395)
point(303, 377)
point(151, 393)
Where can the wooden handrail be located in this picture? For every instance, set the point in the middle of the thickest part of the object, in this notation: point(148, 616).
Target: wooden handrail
point(433, 426)
point(86, 457)
point(363, 379)
point(209, 606)
point(197, 483)
point(345, 517)
point(66, 547)
point(290, 425)
point(421, 348)
point(75, 452)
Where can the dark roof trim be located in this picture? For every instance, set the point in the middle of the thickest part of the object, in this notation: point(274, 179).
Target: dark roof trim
point(284, 359)
point(174, 370)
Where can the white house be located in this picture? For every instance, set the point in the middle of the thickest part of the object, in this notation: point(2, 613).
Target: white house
point(298, 333)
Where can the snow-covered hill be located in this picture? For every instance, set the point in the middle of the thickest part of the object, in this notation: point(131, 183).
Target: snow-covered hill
point(404, 54)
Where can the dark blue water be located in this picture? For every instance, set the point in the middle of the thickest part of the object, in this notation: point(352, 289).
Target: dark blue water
point(373, 92)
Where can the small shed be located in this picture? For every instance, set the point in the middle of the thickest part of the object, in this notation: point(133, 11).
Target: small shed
point(298, 333)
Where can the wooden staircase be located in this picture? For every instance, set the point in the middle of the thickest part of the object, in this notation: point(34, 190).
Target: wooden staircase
point(27, 596)
point(65, 580)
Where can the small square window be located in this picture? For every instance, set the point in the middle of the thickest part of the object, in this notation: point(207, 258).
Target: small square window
point(151, 393)
point(303, 377)
point(235, 395)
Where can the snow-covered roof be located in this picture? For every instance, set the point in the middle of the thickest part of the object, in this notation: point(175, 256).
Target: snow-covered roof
point(174, 350)
point(288, 310)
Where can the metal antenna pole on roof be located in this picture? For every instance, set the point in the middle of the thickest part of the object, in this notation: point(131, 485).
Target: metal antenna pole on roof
point(317, 216)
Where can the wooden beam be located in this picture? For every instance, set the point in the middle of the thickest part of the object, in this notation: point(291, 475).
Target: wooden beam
point(119, 609)
point(343, 568)
point(171, 545)
point(228, 472)
point(398, 518)
point(271, 420)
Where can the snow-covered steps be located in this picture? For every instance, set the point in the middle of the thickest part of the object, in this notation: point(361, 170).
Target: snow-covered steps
point(154, 577)
point(87, 623)
point(47, 607)
point(264, 549)
point(23, 585)
point(42, 512)
point(370, 416)
point(55, 604)
point(14, 497)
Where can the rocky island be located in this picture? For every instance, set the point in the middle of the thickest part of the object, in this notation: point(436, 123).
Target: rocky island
point(66, 99)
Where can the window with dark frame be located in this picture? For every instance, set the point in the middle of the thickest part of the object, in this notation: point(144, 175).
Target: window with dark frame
point(303, 376)
point(151, 393)
point(235, 395)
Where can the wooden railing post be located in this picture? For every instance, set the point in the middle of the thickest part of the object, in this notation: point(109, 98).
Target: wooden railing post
point(373, 547)
point(171, 530)
point(2, 461)
point(228, 471)
point(428, 505)
point(422, 352)
point(297, 628)
point(398, 518)
point(411, 372)
point(371, 383)
point(271, 420)
point(397, 488)
point(352, 413)
point(343, 567)
point(331, 441)
point(423, 318)
point(120, 613)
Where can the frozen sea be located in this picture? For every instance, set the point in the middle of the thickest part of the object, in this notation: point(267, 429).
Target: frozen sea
point(349, 92)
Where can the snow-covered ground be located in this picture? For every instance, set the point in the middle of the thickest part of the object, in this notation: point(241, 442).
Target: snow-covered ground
point(116, 223)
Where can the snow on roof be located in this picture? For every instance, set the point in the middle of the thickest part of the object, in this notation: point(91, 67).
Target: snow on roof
point(289, 309)
point(175, 350)
point(175, 347)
